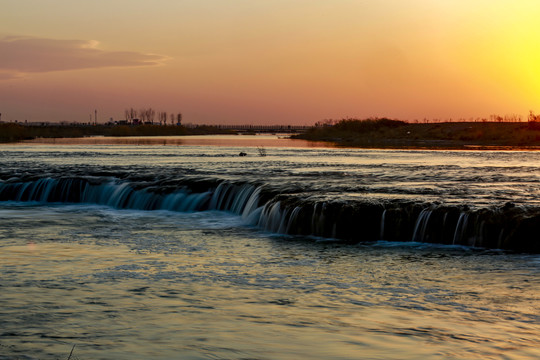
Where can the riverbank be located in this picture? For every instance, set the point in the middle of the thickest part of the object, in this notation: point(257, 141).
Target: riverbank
point(369, 133)
point(10, 132)
point(394, 134)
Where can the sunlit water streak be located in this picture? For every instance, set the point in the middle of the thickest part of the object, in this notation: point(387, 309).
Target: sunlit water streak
point(132, 284)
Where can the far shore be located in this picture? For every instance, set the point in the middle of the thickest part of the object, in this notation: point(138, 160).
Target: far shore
point(353, 133)
point(394, 134)
point(14, 132)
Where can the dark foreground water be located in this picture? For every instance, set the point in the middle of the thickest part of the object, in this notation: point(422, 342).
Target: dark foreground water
point(186, 252)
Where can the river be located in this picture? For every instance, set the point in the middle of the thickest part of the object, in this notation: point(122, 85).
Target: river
point(179, 248)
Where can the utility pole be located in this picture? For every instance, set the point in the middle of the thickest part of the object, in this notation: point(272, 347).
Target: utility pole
point(95, 117)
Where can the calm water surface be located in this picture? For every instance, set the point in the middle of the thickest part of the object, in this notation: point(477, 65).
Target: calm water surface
point(139, 284)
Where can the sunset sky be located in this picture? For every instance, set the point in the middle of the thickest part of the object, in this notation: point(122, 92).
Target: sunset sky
point(269, 61)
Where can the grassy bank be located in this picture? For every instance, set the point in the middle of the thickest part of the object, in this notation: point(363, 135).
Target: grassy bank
point(369, 133)
point(14, 132)
point(386, 133)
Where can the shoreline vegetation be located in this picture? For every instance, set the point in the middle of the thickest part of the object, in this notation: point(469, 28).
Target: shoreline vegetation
point(395, 134)
point(367, 133)
point(13, 132)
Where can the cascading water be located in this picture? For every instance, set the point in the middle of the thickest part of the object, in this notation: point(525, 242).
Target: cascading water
point(350, 221)
point(460, 228)
point(82, 251)
point(382, 224)
point(419, 233)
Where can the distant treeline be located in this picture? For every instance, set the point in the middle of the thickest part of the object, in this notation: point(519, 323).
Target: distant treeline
point(388, 133)
point(148, 115)
point(370, 133)
point(11, 132)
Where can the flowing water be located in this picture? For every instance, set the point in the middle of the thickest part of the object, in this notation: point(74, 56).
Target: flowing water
point(162, 249)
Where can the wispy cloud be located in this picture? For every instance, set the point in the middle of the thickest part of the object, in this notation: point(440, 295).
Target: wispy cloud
point(19, 55)
point(9, 75)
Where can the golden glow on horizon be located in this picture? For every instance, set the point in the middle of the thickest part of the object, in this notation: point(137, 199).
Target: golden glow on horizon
point(277, 61)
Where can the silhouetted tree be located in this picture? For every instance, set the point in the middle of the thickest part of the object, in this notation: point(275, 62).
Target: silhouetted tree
point(496, 118)
point(150, 114)
point(533, 117)
point(142, 115)
point(132, 114)
point(162, 118)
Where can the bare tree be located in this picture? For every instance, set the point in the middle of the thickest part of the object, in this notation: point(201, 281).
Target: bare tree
point(142, 115)
point(512, 118)
point(150, 114)
point(533, 117)
point(132, 114)
point(147, 115)
point(496, 118)
point(162, 118)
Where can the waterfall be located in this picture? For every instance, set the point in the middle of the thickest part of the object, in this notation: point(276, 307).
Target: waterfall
point(351, 221)
point(292, 220)
point(252, 203)
point(241, 198)
point(419, 234)
point(271, 218)
point(382, 225)
point(218, 196)
point(460, 228)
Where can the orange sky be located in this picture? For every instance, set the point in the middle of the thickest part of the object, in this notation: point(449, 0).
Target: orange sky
point(269, 61)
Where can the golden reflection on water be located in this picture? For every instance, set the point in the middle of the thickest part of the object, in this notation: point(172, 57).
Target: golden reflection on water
point(195, 140)
point(128, 284)
point(267, 299)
